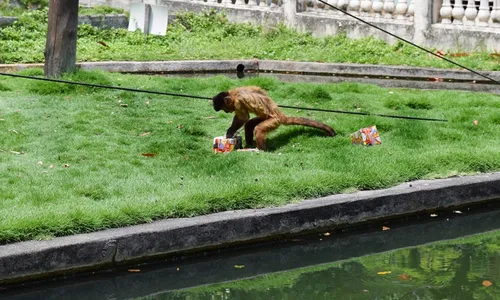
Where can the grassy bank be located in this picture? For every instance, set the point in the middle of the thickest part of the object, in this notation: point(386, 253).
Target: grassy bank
point(211, 36)
point(71, 157)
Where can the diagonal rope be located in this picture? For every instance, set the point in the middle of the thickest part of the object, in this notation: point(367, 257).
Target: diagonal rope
point(411, 43)
point(104, 86)
point(209, 98)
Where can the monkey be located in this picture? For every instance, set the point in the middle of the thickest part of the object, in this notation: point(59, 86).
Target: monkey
point(252, 99)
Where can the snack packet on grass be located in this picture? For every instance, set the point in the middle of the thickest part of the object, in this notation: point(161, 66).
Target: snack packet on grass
point(226, 145)
point(366, 136)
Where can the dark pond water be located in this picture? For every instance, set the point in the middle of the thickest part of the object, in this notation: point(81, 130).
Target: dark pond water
point(450, 256)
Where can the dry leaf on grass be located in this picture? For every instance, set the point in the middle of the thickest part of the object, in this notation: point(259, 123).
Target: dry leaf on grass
point(487, 283)
point(404, 277)
point(384, 272)
point(145, 133)
point(103, 44)
point(440, 53)
point(460, 54)
point(134, 270)
point(148, 154)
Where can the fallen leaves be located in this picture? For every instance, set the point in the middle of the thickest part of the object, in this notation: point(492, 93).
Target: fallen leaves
point(384, 272)
point(384, 228)
point(476, 122)
point(103, 44)
point(440, 53)
point(404, 277)
point(459, 54)
point(148, 154)
point(145, 133)
point(134, 270)
point(487, 283)
point(495, 55)
point(16, 152)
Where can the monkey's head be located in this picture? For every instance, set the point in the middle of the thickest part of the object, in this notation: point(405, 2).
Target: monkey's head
point(223, 101)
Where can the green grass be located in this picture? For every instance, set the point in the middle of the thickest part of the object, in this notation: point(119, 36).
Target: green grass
point(6, 10)
point(211, 36)
point(108, 183)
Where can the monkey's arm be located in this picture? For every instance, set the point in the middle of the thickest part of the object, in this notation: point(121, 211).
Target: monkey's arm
point(237, 123)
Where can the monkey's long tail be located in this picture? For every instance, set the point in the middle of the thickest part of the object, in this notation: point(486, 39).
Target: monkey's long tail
point(309, 123)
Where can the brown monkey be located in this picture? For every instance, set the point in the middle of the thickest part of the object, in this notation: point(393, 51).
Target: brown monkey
point(251, 99)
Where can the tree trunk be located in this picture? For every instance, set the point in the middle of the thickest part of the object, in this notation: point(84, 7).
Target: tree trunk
point(60, 49)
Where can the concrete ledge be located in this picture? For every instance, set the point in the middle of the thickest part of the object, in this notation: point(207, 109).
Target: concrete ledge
point(386, 76)
point(178, 66)
point(105, 21)
point(6, 21)
point(37, 259)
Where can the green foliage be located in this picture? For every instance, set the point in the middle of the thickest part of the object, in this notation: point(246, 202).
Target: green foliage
point(51, 88)
point(35, 3)
point(4, 88)
point(213, 24)
point(419, 104)
point(99, 10)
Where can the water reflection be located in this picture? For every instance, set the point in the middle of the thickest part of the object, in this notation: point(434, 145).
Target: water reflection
point(450, 257)
point(453, 269)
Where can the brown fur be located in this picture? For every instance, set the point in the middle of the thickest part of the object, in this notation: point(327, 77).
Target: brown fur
point(244, 101)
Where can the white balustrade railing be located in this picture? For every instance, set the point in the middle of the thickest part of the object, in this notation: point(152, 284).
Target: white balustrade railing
point(387, 9)
point(460, 13)
point(455, 12)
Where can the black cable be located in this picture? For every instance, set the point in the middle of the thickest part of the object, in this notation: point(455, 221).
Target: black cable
point(411, 43)
point(208, 98)
point(363, 113)
point(105, 86)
